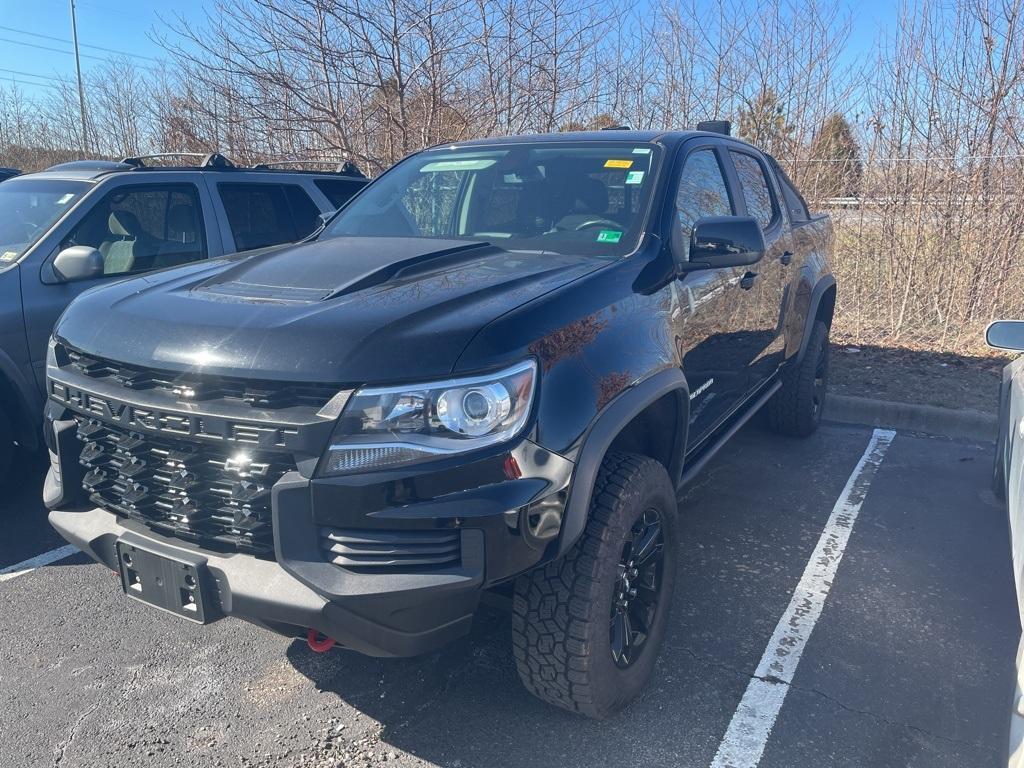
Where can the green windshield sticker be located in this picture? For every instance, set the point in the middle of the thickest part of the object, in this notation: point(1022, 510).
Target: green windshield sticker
point(642, 151)
point(609, 236)
point(458, 165)
point(634, 177)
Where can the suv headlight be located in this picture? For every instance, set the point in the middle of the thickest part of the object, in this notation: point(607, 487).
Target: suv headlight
point(386, 427)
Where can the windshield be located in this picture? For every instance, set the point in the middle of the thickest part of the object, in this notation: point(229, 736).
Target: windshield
point(29, 207)
point(580, 198)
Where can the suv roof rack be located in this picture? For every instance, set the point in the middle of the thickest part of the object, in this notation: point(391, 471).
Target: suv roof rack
point(617, 128)
point(346, 167)
point(715, 126)
point(207, 160)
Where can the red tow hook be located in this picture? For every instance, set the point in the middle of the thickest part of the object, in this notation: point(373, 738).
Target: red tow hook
point(318, 644)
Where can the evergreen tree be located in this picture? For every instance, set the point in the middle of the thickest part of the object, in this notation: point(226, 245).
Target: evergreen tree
point(836, 166)
point(763, 123)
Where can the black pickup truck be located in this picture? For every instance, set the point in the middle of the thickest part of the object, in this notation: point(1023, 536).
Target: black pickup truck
point(492, 372)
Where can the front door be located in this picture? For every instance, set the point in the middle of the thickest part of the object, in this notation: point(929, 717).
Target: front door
point(709, 306)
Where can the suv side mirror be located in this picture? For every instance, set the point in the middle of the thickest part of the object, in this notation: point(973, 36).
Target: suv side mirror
point(78, 262)
point(325, 217)
point(1006, 334)
point(725, 241)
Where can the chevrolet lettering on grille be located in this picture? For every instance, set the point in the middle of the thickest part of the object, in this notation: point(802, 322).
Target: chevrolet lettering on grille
point(153, 420)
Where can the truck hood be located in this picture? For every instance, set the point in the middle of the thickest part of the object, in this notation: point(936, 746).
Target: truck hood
point(343, 310)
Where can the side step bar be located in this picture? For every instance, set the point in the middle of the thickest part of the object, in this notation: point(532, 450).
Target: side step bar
point(705, 456)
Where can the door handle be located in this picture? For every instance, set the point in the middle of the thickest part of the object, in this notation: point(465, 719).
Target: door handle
point(747, 281)
point(786, 257)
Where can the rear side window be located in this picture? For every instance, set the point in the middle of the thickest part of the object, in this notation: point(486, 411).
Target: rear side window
point(338, 191)
point(756, 192)
point(794, 202)
point(262, 215)
point(142, 228)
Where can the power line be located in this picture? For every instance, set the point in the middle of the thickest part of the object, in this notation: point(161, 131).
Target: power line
point(82, 45)
point(31, 74)
point(61, 50)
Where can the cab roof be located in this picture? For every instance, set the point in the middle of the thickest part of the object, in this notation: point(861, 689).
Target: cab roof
point(668, 138)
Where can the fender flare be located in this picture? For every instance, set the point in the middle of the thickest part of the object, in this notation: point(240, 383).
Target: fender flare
point(824, 284)
point(609, 423)
point(28, 403)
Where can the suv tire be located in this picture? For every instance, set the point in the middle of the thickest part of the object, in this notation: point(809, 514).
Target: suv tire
point(796, 408)
point(571, 618)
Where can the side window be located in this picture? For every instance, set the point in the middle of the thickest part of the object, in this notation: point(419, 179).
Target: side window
point(794, 202)
point(305, 214)
point(338, 191)
point(262, 215)
point(137, 229)
point(756, 192)
point(702, 191)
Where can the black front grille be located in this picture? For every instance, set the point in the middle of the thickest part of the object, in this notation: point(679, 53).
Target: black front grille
point(210, 493)
point(188, 387)
point(390, 550)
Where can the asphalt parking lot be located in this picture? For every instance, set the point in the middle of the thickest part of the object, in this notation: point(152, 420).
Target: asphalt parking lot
point(909, 664)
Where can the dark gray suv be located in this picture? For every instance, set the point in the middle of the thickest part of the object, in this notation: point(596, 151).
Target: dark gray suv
point(84, 224)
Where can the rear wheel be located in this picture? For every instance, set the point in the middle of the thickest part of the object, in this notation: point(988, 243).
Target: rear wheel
point(587, 628)
point(797, 407)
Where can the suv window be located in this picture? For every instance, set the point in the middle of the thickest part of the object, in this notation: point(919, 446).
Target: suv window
point(702, 192)
point(144, 227)
point(754, 184)
point(261, 215)
point(338, 191)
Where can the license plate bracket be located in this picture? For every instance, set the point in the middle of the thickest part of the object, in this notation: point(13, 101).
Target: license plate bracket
point(170, 583)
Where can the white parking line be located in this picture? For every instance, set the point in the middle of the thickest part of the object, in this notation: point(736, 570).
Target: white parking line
point(751, 724)
point(26, 566)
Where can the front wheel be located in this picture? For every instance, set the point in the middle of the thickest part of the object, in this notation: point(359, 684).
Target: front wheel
point(797, 407)
point(587, 628)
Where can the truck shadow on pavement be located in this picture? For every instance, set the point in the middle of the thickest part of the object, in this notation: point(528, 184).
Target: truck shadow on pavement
point(464, 705)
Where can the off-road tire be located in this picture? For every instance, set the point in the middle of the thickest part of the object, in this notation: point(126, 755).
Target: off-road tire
point(797, 407)
point(561, 611)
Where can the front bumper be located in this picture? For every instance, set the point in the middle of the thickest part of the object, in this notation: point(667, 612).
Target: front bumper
point(378, 616)
point(502, 525)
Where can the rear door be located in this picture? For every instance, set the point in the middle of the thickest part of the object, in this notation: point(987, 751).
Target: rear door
point(762, 321)
point(138, 225)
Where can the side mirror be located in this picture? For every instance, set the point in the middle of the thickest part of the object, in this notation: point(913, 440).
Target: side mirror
point(325, 217)
point(1006, 334)
point(725, 241)
point(78, 262)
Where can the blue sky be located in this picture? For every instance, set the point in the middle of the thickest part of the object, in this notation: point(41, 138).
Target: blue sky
point(35, 34)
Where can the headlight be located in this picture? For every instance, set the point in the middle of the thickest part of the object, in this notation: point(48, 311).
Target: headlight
point(385, 427)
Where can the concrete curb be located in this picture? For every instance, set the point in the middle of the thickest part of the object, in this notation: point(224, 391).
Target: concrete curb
point(972, 425)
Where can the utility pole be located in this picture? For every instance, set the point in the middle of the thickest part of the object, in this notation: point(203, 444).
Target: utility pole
point(81, 91)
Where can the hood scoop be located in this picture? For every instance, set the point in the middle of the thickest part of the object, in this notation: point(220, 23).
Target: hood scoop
point(326, 269)
point(239, 290)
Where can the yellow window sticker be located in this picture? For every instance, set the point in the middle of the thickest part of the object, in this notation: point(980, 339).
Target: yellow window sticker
point(618, 163)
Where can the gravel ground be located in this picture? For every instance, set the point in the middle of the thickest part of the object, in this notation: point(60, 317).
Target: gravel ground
point(914, 376)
